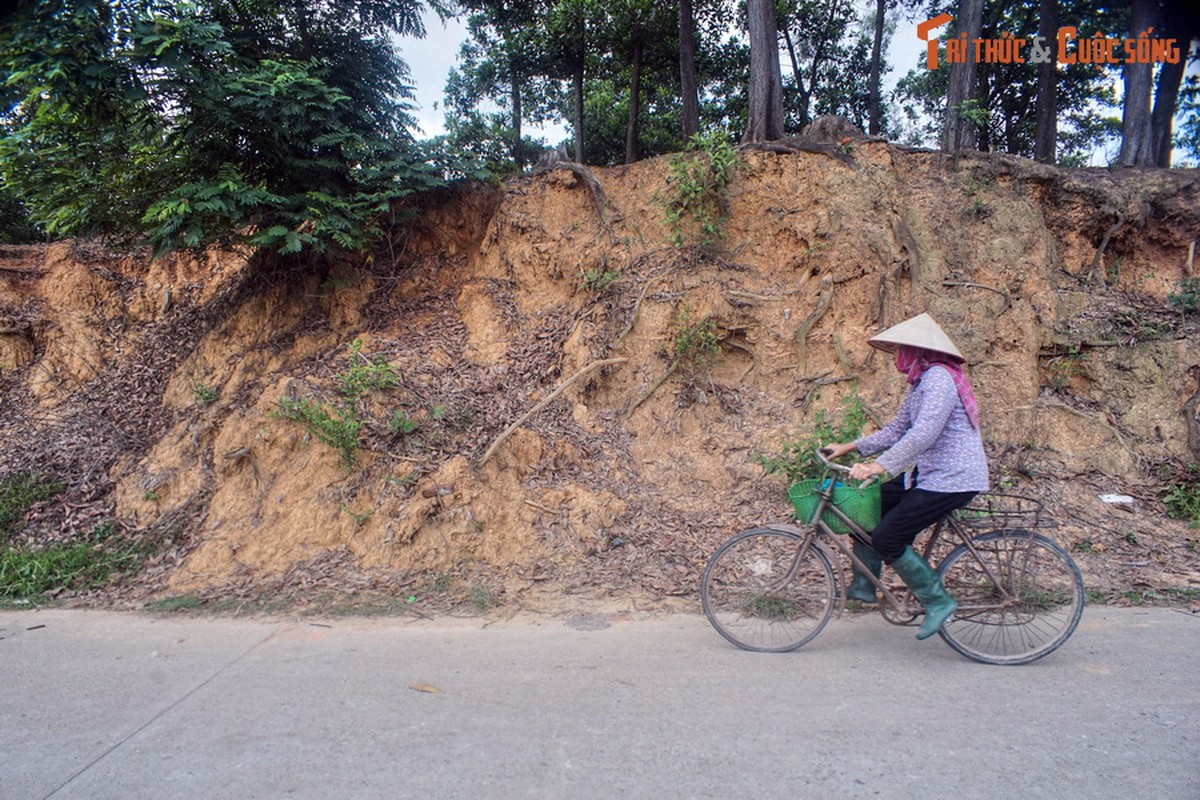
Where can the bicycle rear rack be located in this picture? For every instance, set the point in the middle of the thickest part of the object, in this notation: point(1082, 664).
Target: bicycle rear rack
point(992, 511)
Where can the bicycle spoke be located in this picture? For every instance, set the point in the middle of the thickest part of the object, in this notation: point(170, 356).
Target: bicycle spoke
point(1020, 597)
point(768, 590)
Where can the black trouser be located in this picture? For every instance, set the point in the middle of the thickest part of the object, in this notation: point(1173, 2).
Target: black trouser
point(907, 512)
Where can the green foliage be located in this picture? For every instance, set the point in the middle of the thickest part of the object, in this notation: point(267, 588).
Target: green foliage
point(1066, 367)
point(1182, 499)
point(340, 425)
point(832, 49)
point(797, 460)
point(337, 427)
point(204, 394)
point(1186, 297)
point(15, 225)
point(541, 49)
point(360, 517)
point(18, 493)
point(1187, 138)
point(598, 279)
point(365, 374)
point(1006, 95)
point(401, 423)
point(193, 123)
point(973, 111)
point(483, 598)
point(84, 564)
point(478, 146)
point(697, 183)
point(696, 342)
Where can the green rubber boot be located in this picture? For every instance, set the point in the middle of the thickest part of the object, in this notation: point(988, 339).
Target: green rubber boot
point(928, 588)
point(861, 588)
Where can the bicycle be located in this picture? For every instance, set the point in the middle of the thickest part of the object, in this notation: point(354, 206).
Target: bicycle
point(1020, 595)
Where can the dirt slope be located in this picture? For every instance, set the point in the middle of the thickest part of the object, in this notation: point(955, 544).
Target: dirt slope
point(155, 387)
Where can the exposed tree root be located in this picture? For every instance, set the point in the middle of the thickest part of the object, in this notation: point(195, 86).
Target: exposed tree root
point(562, 387)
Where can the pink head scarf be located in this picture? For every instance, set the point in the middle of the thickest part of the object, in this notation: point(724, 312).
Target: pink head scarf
point(913, 361)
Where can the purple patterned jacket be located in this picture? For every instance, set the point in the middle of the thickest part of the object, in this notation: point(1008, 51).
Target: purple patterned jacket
point(931, 432)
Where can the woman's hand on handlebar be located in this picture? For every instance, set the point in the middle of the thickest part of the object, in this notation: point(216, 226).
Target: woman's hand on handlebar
point(860, 472)
point(836, 451)
point(866, 469)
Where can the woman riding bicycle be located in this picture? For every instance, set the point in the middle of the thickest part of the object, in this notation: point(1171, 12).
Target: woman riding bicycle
point(935, 435)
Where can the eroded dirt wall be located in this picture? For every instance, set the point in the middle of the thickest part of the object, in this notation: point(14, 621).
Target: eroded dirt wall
point(158, 385)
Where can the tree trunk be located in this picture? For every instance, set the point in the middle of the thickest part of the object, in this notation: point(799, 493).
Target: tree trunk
point(1136, 144)
point(577, 110)
point(687, 70)
point(959, 132)
point(804, 91)
point(577, 72)
point(518, 152)
point(1165, 96)
point(766, 84)
point(874, 101)
point(1045, 137)
point(635, 97)
point(1182, 27)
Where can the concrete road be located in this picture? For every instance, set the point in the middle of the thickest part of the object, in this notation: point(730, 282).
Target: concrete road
point(97, 705)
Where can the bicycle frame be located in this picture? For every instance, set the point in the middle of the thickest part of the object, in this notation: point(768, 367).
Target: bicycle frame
point(826, 535)
point(772, 588)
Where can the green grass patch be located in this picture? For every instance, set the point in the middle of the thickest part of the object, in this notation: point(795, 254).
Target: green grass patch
point(18, 493)
point(30, 572)
point(167, 605)
point(771, 607)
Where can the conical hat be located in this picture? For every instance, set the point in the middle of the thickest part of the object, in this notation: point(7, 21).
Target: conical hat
point(920, 331)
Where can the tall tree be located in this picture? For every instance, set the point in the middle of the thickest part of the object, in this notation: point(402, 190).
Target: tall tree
point(875, 76)
point(960, 130)
point(1007, 98)
point(643, 35)
point(1183, 25)
point(1046, 116)
point(568, 27)
point(689, 91)
point(1137, 145)
point(1188, 139)
point(766, 83)
point(826, 49)
point(503, 58)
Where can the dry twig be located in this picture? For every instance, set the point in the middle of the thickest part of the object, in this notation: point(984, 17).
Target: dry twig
point(562, 387)
point(1007, 297)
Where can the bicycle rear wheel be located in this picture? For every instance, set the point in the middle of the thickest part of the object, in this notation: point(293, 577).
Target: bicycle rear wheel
point(1018, 601)
point(761, 592)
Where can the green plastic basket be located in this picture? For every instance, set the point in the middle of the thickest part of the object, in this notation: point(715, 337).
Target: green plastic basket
point(860, 505)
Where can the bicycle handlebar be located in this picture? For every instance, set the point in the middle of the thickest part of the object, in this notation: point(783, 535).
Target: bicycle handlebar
point(830, 464)
point(843, 469)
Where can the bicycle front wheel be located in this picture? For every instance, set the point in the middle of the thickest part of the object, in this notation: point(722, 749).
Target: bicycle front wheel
point(765, 590)
point(1019, 596)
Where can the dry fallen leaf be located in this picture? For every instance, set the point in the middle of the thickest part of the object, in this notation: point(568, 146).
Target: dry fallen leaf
point(426, 688)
